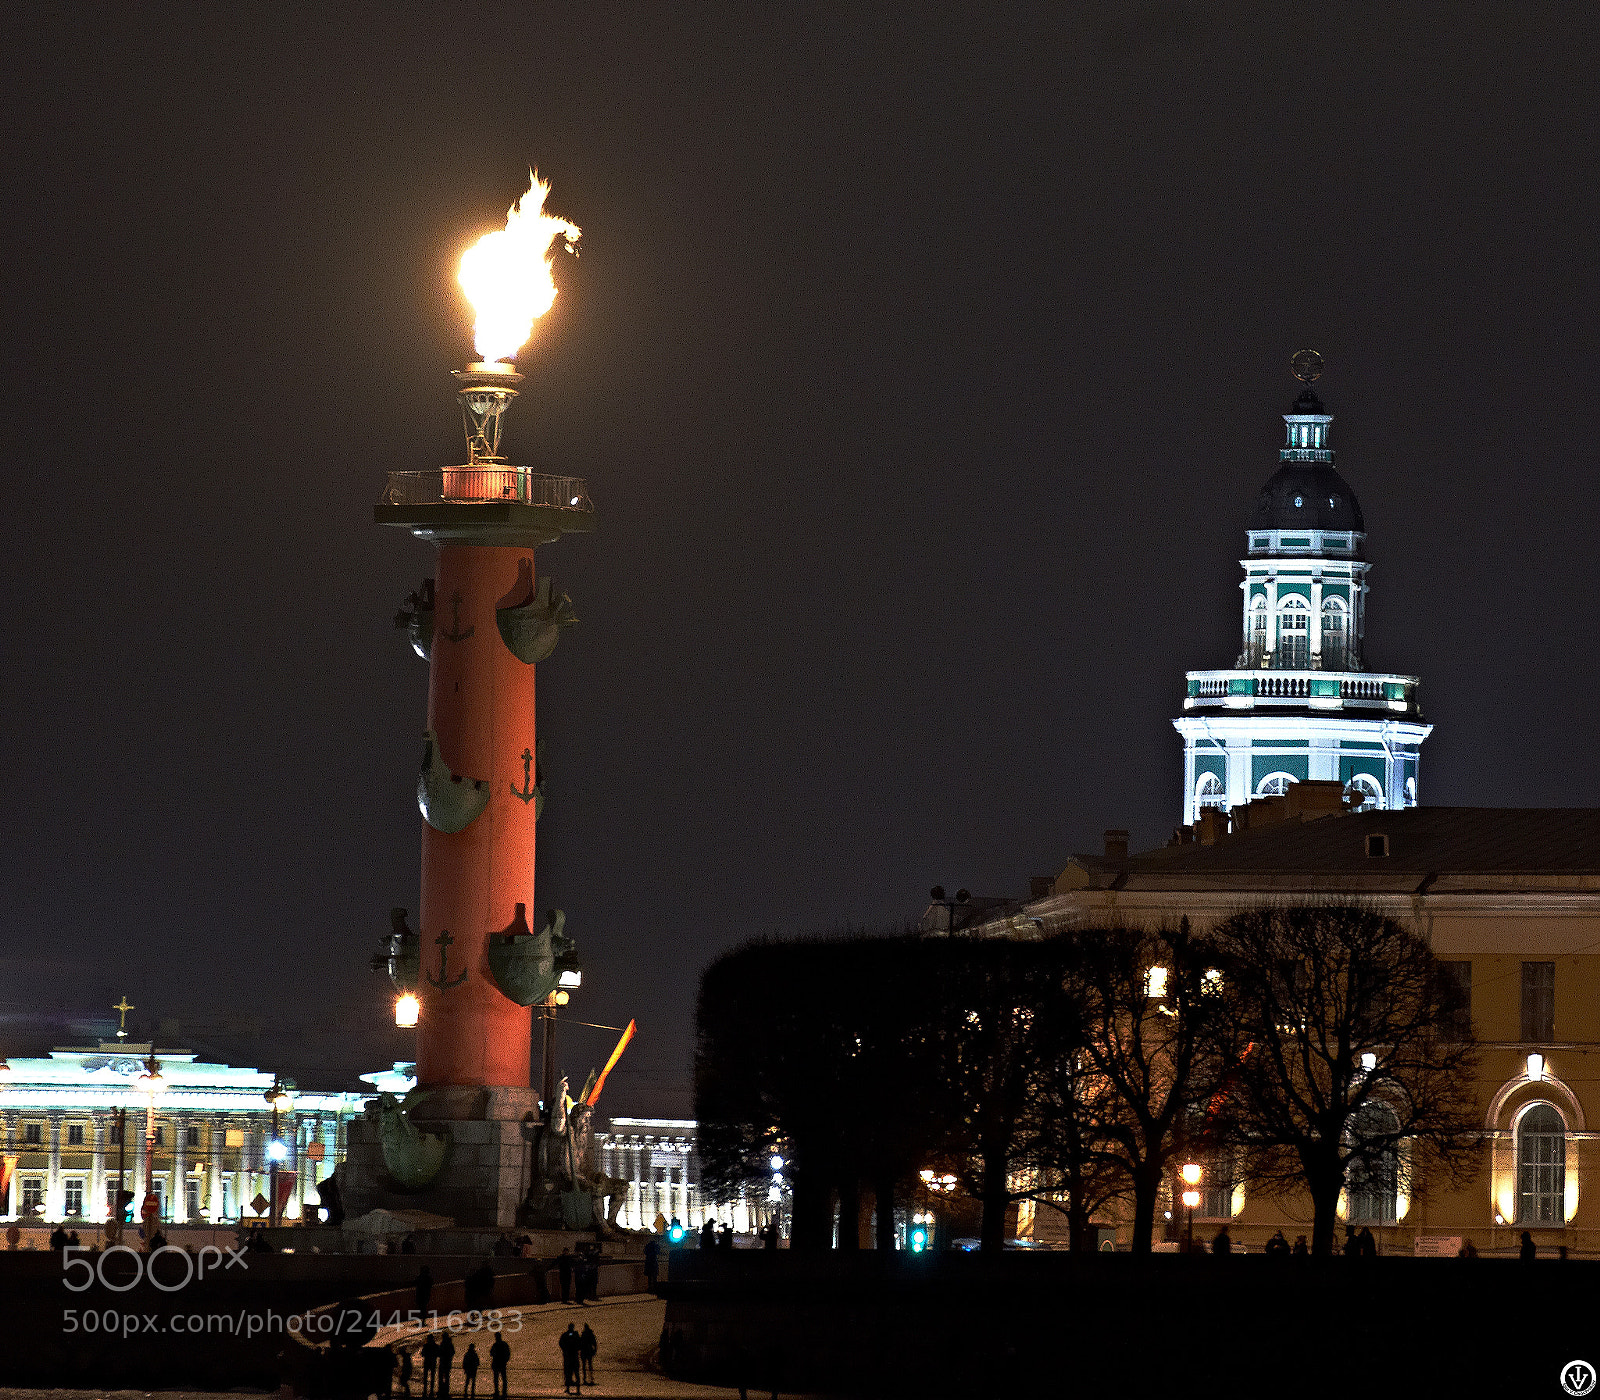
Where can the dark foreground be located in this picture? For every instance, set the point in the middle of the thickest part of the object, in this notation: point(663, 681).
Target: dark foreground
point(1113, 1324)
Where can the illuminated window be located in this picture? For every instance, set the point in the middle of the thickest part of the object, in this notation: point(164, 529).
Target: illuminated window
point(1208, 792)
point(1294, 633)
point(1366, 791)
point(1373, 1183)
point(1274, 785)
point(1333, 636)
point(1411, 792)
point(1541, 1167)
point(1155, 982)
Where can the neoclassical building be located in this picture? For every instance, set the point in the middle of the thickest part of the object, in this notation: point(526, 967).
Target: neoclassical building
point(1299, 702)
point(213, 1126)
point(1509, 898)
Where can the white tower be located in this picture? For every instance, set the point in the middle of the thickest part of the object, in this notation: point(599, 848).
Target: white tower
point(1298, 703)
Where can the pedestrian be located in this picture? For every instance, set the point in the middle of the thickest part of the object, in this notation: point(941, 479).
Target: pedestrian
point(499, 1358)
point(13, 1236)
point(1529, 1249)
point(1468, 1250)
point(430, 1366)
point(564, 1268)
point(571, 1376)
point(708, 1234)
point(408, 1245)
point(447, 1356)
point(405, 1373)
point(588, 1345)
point(1352, 1246)
point(1300, 1250)
point(770, 1239)
point(469, 1371)
point(727, 1237)
point(591, 1278)
point(424, 1290)
point(1222, 1244)
point(652, 1261)
point(1369, 1246)
point(665, 1349)
point(1277, 1246)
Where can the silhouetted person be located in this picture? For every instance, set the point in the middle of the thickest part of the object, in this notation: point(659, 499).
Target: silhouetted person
point(499, 1359)
point(1468, 1250)
point(404, 1376)
point(1529, 1249)
point(708, 1234)
point(1352, 1246)
point(447, 1356)
point(666, 1348)
point(1369, 1246)
point(1277, 1246)
point(1300, 1250)
point(571, 1345)
point(588, 1345)
point(408, 1245)
point(332, 1206)
point(469, 1371)
point(564, 1265)
point(652, 1261)
point(430, 1365)
point(769, 1236)
point(1222, 1244)
point(727, 1237)
point(424, 1288)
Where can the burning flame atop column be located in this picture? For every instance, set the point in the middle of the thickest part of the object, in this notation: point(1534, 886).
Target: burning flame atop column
point(506, 275)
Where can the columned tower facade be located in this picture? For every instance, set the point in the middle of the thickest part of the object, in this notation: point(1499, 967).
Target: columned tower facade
point(1299, 702)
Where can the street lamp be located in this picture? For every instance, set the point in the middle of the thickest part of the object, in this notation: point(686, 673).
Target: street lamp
point(150, 1207)
point(279, 1092)
point(406, 1010)
point(1190, 1172)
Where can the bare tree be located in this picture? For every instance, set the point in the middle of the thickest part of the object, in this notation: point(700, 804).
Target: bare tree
point(1151, 1042)
point(1081, 1171)
point(1350, 1068)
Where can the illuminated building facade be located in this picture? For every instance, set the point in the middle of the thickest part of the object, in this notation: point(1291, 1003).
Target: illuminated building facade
point(1510, 901)
point(58, 1116)
point(1299, 703)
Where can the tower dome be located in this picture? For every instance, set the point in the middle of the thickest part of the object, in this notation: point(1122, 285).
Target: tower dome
point(1307, 492)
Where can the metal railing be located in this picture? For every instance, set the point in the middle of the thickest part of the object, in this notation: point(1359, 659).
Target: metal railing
point(476, 485)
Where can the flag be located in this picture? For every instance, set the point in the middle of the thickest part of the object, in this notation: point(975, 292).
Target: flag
point(616, 1055)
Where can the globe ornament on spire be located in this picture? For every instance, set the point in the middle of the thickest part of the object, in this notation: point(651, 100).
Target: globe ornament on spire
point(1306, 366)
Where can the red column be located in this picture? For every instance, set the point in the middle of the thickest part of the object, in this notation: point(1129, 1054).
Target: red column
point(480, 705)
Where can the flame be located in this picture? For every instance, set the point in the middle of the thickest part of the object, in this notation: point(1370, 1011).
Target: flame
point(506, 274)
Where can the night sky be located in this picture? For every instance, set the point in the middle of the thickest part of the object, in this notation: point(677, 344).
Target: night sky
point(923, 365)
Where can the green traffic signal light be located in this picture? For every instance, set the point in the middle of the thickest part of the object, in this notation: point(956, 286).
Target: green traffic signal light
point(919, 1240)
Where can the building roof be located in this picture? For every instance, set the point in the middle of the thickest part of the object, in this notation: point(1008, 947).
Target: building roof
point(1430, 849)
point(1326, 501)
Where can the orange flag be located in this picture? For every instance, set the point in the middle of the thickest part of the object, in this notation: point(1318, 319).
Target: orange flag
point(616, 1055)
point(7, 1166)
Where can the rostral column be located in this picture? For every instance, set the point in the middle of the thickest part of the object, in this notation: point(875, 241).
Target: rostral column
point(483, 622)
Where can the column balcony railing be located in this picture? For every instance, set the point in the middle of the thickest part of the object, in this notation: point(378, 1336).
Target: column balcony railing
point(1360, 691)
point(476, 485)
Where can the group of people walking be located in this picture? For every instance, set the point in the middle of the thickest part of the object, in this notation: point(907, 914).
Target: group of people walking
point(438, 1360)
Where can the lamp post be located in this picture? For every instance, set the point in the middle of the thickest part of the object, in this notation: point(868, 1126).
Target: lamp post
point(150, 1207)
point(570, 978)
point(1191, 1197)
point(280, 1091)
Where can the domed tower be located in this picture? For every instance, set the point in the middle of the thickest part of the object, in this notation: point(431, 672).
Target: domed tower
point(1299, 702)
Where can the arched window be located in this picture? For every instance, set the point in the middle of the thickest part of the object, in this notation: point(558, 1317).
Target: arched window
point(1368, 790)
point(1255, 632)
point(1541, 1167)
point(1208, 792)
point(1274, 785)
point(1294, 633)
point(1373, 1183)
point(1411, 792)
point(1333, 635)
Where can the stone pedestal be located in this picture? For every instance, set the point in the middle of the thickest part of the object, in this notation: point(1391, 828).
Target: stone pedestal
point(486, 1174)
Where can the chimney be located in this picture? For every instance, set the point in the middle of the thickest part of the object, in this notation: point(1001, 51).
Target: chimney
point(1116, 844)
point(1041, 886)
point(1212, 826)
point(1315, 798)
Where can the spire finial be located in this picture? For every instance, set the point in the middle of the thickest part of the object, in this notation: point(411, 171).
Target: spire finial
point(1306, 365)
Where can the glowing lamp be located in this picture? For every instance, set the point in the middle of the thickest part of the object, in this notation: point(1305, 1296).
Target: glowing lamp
point(1499, 1219)
point(1155, 982)
point(777, 1163)
point(571, 978)
point(276, 1150)
point(1190, 1172)
point(919, 1240)
point(1191, 1199)
point(406, 1011)
point(1535, 1065)
point(563, 997)
point(1369, 1062)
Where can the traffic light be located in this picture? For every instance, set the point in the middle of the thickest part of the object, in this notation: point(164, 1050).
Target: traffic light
point(125, 1203)
point(676, 1232)
point(918, 1238)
